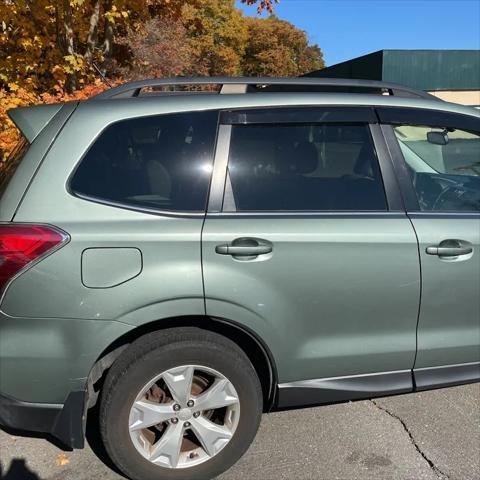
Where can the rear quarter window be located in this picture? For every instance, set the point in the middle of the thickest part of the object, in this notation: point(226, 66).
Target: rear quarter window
point(10, 165)
point(161, 162)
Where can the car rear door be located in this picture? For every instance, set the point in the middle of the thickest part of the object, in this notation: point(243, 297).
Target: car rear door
point(303, 248)
point(437, 156)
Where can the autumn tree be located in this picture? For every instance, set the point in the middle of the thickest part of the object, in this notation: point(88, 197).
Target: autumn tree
point(158, 48)
point(46, 42)
point(217, 37)
point(50, 50)
point(262, 4)
point(277, 48)
point(213, 38)
point(49, 42)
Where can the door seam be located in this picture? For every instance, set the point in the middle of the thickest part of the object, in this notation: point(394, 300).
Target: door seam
point(420, 293)
point(201, 266)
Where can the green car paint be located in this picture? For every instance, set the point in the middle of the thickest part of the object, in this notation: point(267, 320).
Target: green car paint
point(324, 301)
point(43, 359)
point(339, 296)
point(449, 326)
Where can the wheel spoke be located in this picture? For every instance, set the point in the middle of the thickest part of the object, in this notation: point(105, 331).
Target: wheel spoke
point(146, 414)
point(158, 430)
point(179, 382)
point(166, 451)
point(220, 394)
point(212, 437)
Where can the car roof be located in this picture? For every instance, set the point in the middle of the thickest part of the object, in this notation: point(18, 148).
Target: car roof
point(149, 105)
point(128, 100)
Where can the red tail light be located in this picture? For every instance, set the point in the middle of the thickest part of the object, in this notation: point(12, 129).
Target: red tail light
point(20, 245)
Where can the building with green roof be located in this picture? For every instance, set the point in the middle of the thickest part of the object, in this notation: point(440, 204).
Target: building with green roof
point(453, 75)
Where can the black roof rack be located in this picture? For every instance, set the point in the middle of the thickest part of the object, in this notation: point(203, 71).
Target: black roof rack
point(231, 85)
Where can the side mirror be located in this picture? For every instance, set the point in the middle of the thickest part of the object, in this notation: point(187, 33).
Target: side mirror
point(437, 138)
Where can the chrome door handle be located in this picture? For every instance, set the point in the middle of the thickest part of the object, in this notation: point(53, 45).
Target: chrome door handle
point(449, 248)
point(245, 247)
point(243, 251)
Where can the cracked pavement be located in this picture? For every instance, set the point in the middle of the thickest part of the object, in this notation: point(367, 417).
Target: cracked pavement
point(423, 436)
point(436, 470)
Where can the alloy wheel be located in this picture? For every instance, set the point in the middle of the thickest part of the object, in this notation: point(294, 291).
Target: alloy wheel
point(184, 416)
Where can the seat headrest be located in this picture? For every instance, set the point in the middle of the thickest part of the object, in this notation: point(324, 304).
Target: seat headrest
point(306, 157)
point(300, 159)
point(254, 156)
point(363, 164)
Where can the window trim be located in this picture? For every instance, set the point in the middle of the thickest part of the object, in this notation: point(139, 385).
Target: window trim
point(419, 118)
point(219, 174)
point(309, 115)
point(407, 189)
point(139, 208)
point(310, 214)
point(393, 198)
point(429, 118)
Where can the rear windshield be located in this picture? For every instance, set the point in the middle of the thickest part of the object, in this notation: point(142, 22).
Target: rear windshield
point(10, 165)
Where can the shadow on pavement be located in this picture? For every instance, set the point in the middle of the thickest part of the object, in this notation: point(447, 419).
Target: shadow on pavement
point(44, 436)
point(18, 471)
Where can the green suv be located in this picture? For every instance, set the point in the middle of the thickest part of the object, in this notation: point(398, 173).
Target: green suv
point(179, 256)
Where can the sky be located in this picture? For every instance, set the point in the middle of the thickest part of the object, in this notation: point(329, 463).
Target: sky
point(345, 29)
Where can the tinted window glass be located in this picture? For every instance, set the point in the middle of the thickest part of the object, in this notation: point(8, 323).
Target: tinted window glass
point(444, 165)
point(10, 165)
point(162, 162)
point(304, 167)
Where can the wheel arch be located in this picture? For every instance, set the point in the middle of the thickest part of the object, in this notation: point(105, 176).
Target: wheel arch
point(251, 344)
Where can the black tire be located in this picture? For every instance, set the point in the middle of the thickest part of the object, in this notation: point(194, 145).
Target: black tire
point(149, 356)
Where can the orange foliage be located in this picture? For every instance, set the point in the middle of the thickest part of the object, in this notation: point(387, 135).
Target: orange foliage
point(54, 46)
point(262, 4)
point(20, 97)
point(9, 135)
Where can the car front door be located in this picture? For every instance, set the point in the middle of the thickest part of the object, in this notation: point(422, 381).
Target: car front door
point(302, 246)
point(438, 162)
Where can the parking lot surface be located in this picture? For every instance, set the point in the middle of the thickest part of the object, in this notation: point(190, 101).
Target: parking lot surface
point(429, 435)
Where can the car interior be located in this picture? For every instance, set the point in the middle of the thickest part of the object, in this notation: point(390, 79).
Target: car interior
point(305, 168)
point(157, 165)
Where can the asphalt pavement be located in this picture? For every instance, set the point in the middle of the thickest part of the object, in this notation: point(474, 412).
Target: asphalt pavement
point(423, 436)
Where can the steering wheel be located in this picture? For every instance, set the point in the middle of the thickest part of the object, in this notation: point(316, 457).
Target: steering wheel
point(445, 195)
point(456, 196)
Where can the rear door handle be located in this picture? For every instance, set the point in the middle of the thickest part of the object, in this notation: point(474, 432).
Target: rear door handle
point(245, 247)
point(449, 251)
point(450, 248)
point(240, 251)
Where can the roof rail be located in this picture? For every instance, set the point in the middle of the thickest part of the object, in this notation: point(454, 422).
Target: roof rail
point(261, 84)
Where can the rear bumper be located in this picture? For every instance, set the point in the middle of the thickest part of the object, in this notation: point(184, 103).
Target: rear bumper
point(44, 367)
point(64, 422)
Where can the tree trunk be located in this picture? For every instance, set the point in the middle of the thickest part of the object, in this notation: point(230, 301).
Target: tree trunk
point(71, 81)
point(92, 32)
point(108, 39)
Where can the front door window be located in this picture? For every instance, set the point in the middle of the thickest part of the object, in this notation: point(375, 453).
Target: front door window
point(444, 165)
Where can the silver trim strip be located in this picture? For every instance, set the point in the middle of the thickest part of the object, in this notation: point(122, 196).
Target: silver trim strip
point(439, 213)
point(344, 388)
point(133, 89)
point(311, 383)
point(440, 376)
point(312, 213)
point(457, 365)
